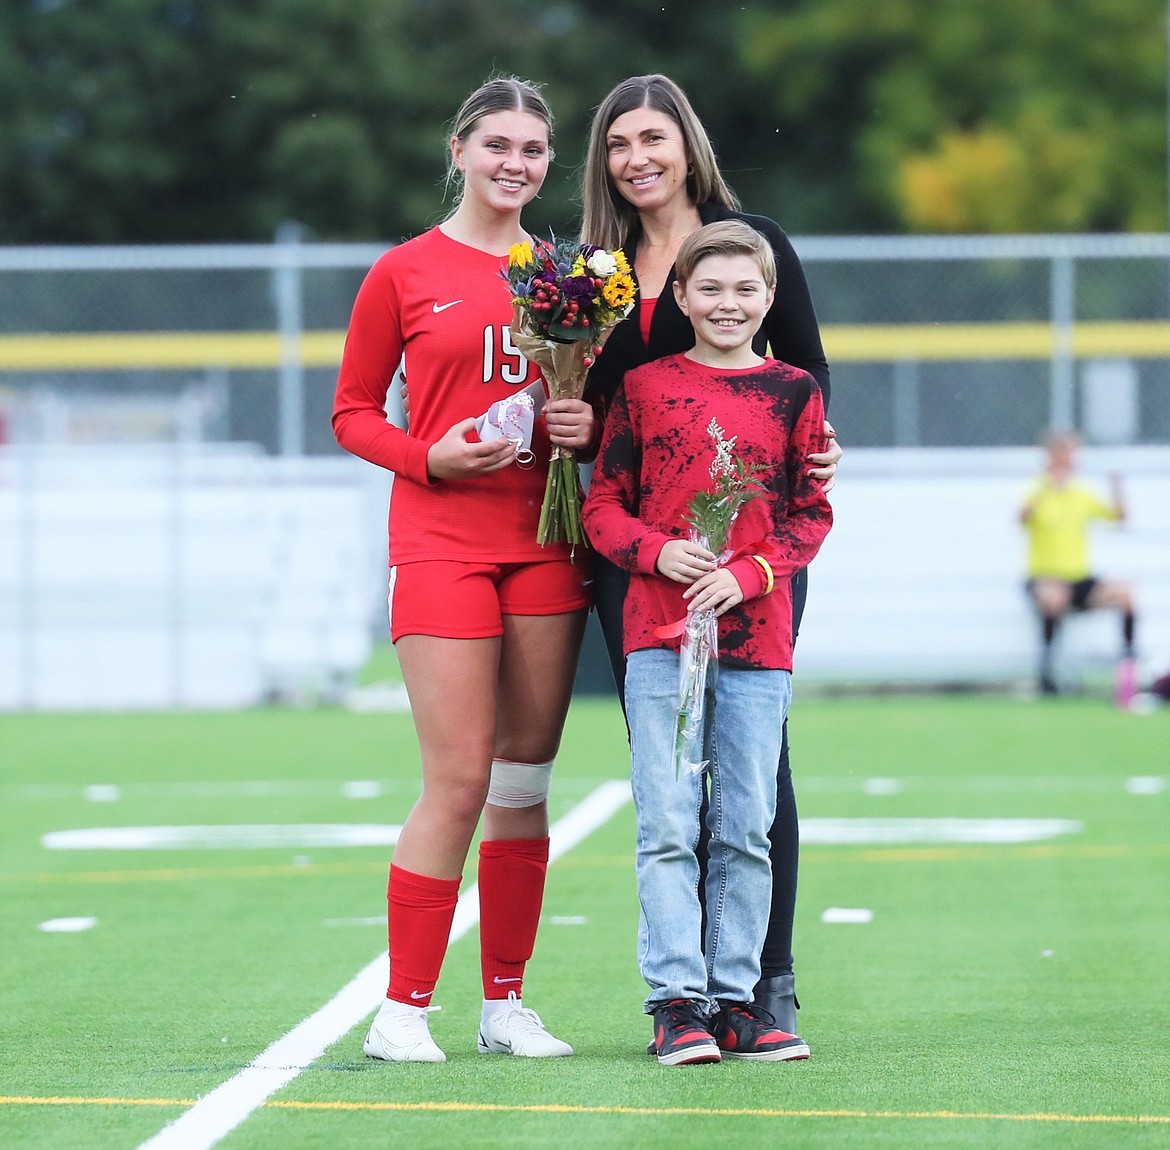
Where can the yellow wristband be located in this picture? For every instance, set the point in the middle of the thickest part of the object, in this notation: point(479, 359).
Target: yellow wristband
point(767, 572)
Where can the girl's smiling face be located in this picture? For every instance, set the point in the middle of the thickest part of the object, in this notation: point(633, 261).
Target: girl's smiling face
point(504, 160)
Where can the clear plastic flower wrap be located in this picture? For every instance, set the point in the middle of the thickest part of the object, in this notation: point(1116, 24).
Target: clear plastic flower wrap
point(699, 645)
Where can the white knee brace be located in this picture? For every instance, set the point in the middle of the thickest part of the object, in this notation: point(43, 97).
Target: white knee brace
point(519, 784)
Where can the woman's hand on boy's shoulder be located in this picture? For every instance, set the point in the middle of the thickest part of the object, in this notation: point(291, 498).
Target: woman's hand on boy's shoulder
point(823, 464)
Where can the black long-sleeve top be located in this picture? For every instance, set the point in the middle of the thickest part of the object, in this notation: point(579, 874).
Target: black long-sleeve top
point(789, 332)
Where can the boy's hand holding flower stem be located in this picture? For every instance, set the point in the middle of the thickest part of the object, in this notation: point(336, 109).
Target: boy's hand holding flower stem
point(718, 591)
point(684, 561)
point(711, 586)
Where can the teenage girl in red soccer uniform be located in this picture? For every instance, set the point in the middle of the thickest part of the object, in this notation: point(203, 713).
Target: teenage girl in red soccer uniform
point(486, 623)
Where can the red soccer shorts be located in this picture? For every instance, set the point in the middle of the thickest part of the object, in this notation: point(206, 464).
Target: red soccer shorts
point(454, 600)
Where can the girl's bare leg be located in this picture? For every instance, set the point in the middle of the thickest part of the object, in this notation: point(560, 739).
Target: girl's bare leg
point(452, 684)
point(538, 662)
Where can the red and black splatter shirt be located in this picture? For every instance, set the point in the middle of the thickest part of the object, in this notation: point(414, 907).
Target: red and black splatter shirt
point(657, 453)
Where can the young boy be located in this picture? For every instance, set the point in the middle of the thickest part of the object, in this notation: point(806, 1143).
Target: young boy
point(657, 453)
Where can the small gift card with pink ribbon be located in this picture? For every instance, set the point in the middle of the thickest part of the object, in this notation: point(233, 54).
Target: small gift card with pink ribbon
point(512, 418)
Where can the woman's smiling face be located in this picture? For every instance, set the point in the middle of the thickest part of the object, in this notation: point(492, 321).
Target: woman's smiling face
point(647, 158)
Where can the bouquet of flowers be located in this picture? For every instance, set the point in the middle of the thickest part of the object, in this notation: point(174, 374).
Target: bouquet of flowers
point(711, 515)
point(566, 299)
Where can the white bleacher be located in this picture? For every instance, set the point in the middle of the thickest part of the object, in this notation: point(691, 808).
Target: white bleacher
point(221, 577)
point(181, 576)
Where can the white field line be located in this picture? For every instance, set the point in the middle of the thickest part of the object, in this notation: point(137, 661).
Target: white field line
point(247, 837)
point(894, 832)
point(362, 789)
point(218, 1113)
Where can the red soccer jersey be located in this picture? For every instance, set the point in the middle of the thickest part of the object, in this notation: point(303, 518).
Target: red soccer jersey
point(443, 310)
point(657, 453)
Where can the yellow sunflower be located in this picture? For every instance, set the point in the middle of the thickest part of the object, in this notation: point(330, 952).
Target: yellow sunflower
point(619, 290)
point(520, 255)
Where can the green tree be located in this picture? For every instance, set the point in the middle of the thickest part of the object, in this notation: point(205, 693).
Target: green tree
point(194, 119)
point(199, 120)
point(951, 115)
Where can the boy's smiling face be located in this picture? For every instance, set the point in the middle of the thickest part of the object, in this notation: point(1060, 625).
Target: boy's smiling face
point(726, 300)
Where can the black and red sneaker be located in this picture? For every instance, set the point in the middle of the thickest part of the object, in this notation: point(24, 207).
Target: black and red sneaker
point(744, 1031)
point(682, 1034)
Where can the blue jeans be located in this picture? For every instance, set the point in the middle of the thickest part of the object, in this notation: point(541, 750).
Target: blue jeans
point(745, 713)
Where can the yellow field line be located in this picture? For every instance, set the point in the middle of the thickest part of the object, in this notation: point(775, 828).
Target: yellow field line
point(872, 343)
point(717, 1112)
point(809, 855)
point(634, 1111)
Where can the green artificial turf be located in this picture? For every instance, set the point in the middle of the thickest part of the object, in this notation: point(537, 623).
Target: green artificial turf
point(1005, 995)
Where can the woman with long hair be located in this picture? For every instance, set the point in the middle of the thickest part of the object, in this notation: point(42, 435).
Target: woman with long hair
point(650, 180)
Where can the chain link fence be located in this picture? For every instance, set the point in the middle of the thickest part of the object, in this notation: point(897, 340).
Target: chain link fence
point(932, 341)
point(986, 342)
point(136, 383)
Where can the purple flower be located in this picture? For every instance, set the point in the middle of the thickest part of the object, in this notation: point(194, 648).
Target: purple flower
point(581, 289)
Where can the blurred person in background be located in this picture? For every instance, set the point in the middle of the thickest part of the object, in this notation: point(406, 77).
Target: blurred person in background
point(487, 624)
point(650, 180)
point(1057, 512)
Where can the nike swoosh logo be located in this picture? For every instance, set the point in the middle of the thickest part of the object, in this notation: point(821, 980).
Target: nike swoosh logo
point(425, 994)
point(438, 307)
point(500, 981)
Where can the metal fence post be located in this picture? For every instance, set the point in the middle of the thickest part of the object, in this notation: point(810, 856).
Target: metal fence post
point(1063, 315)
point(907, 403)
point(286, 290)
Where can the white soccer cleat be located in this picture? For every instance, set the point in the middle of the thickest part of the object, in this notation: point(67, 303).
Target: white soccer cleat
point(512, 1029)
point(399, 1033)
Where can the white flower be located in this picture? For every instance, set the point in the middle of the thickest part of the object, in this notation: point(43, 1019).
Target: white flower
point(722, 464)
point(602, 264)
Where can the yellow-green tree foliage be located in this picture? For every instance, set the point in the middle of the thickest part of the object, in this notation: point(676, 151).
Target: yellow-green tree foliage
point(978, 115)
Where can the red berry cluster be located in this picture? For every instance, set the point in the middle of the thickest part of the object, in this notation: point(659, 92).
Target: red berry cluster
point(545, 296)
point(573, 316)
point(556, 308)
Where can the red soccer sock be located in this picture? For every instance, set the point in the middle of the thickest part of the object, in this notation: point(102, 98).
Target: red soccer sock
point(511, 893)
point(419, 913)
